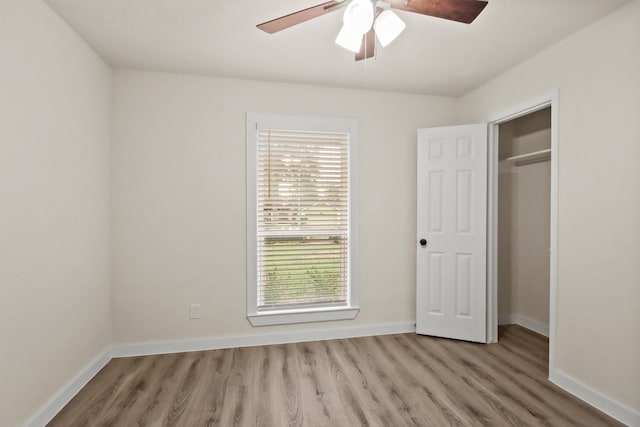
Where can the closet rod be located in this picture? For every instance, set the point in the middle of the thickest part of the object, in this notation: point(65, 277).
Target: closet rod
point(527, 159)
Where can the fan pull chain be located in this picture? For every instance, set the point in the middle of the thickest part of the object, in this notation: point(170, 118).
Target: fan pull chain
point(364, 78)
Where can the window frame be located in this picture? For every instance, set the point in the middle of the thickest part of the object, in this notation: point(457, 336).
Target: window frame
point(255, 122)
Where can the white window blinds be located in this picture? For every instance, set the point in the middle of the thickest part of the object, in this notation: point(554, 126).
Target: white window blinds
point(302, 186)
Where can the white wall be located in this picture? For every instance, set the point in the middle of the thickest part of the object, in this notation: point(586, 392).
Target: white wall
point(597, 71)
point(54, 215)
point(179, 199)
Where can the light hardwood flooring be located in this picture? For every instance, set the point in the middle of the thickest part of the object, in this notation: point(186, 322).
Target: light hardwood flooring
point(393, 380)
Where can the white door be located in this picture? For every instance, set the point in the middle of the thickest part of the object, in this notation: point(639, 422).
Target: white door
point(452, 232)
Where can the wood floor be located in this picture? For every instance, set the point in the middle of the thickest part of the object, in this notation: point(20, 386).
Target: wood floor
point(393, 380)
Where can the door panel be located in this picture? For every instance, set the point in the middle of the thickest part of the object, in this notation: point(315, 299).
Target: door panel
point(452, 205)
point(435, 282)
point(435, 201)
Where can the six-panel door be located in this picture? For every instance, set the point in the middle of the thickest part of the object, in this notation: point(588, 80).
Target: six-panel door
point(452, 206)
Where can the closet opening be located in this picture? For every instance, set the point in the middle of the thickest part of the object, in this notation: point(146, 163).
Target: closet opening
point(523, 222)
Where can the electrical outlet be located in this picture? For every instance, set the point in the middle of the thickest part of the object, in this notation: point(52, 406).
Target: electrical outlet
point(194, 311)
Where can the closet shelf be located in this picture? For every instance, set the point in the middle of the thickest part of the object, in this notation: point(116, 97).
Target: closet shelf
point(535, 157)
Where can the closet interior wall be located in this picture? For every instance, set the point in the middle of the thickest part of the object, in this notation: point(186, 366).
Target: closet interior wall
point(524, 221)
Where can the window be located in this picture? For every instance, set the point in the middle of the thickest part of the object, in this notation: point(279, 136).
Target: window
point(301, 221)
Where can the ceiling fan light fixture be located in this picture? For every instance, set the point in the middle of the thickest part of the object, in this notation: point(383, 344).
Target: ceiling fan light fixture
point(358, 16)
point(349, 39)
point(388, 26)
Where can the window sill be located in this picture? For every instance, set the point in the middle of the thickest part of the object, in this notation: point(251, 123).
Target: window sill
point(303, 316)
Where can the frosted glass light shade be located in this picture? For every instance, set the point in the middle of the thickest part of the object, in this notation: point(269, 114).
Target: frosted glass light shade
point(349, 39)
point(388, 26)
point(359, 16)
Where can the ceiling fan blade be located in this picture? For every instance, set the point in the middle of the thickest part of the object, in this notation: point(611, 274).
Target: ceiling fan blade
point(298, 17)
point(454, 10)
point(368, 42)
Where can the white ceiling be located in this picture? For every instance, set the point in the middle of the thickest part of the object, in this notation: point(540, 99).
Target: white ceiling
point(219, 37)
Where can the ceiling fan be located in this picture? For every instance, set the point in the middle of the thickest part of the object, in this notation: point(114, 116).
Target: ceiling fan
point(366, 19)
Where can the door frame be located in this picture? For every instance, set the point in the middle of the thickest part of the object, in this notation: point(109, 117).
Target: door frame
point(533, 105)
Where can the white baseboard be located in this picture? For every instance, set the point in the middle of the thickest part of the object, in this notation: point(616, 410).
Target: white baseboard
point(66, 393)
point(596, 399)
point(51, 408)
point(164, 347)
point(534, 325)
point(507, 319)
point(592, 397)
point(525, 322)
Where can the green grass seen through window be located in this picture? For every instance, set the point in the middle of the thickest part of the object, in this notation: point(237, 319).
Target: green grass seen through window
point(302, 271)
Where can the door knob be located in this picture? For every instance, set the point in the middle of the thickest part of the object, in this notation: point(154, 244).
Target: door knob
point(423, 242)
